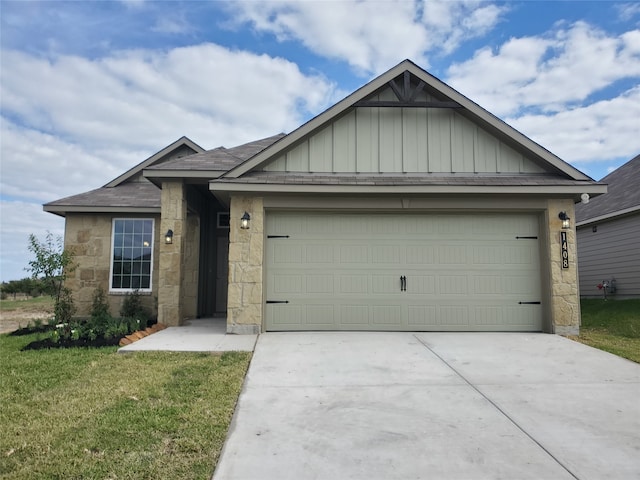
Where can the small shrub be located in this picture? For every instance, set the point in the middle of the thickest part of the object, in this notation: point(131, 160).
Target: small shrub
point(132, 308)
point(64, 308)
point(99, 305)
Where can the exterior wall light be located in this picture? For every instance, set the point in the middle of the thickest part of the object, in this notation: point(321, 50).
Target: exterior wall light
point(565, 220)
point(244, 221)
point(168, 238)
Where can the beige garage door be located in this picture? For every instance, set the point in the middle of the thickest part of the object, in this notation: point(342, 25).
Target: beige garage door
point(428, 272)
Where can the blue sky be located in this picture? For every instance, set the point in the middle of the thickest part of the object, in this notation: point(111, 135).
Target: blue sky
point(90, 89)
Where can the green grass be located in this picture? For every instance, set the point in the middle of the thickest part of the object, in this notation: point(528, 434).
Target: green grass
point(612, 325)
point(96, 414)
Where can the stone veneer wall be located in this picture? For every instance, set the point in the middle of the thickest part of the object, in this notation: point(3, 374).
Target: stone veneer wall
point(171, 281)
point(246, 251)
point(565, 300)
point(89, 237)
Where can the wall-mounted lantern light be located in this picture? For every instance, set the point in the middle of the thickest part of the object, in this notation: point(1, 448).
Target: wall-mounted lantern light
point(168, 238)
point(565, 220)
point(244, 221)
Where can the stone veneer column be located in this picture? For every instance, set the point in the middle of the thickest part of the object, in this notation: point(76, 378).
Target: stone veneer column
point(246, 251)
point(173, 216)
point(565, 300)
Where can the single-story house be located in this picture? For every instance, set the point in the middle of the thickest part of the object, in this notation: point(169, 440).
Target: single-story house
point(608, 231)
point(405, 206)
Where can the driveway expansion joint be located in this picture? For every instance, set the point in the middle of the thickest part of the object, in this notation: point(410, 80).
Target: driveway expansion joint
point(497, 407)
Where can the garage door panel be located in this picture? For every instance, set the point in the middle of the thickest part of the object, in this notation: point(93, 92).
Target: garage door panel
point(354, 315)
point(453, 316)
point(422, 315)
point(320, 284)
point(354, 254)
point(421, 285)
point(287, 284)
point(285, 317)
point(451, 255)
point(386, 254)
point(290, 254)
point(319, 316)
point(453, 285)
point(386, 316)
point(421, 254)
point(463, 272)
point(488, 316)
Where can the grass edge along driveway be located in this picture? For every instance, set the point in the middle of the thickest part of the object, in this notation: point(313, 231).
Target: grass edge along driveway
point(611, 325)
point(93, 413)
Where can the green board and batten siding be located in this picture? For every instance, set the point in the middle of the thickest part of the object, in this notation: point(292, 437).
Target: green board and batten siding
point(463, 272)
point(402, 140)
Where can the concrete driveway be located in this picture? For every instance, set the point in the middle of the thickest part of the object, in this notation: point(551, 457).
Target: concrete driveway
point(434, 406)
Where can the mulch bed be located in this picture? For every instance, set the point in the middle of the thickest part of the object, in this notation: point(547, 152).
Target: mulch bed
point(68, 343)
point(84, 342)
point(29, 330)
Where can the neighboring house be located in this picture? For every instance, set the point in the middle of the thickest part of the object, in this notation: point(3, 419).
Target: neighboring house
point(608, 231)
point(405, 206)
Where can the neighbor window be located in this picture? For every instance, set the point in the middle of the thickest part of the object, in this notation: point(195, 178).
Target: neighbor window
point(132, 254)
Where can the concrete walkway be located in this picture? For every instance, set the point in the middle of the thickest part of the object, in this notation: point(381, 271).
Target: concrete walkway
point(201, 335)
point(434, 406)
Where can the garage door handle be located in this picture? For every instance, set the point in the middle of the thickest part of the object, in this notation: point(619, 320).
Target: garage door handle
point(403, 283)
point(277, 301)
point(529, 303)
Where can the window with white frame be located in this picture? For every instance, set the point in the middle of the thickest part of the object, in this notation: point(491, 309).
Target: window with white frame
point(131, 254)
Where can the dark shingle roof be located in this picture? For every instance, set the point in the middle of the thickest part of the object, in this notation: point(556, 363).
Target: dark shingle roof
point(290, 178)
point(623, 193)
point(218, 159)
point(134, 194)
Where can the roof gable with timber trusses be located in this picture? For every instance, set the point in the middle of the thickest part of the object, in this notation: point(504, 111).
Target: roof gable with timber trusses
point(404, 122)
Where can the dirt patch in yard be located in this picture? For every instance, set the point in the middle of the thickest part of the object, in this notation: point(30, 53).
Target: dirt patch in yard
point(13, 320)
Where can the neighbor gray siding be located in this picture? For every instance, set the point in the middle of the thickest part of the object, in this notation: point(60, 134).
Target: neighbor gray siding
point(613, 251)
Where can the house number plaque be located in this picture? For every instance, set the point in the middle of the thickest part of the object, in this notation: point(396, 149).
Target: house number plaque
point(564, 249)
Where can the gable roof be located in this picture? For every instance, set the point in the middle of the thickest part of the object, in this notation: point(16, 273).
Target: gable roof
point(124, 194)
point(450, 98)
point(211, 163)
point(183, 143)
point(623, 195)
point(132, 197)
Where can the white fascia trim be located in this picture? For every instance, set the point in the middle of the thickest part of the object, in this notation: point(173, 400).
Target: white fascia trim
point(608, 216)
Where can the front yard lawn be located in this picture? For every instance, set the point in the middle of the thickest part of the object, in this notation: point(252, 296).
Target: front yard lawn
point(96, 414)
point(612, 325)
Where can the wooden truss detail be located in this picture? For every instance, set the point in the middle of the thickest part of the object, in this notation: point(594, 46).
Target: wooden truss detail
point(406, 95)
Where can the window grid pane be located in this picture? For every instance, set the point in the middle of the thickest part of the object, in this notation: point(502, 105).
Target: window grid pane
point(132, 254)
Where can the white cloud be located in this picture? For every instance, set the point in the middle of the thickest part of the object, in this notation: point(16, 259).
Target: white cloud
point(98, 118)
point(372, 36)
point(600, 131)
point(450, 23)
point(147, 98)
point(550, 72)
point(174, 24)
point(627, 11)
point(72, 124)
point(17, 221)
